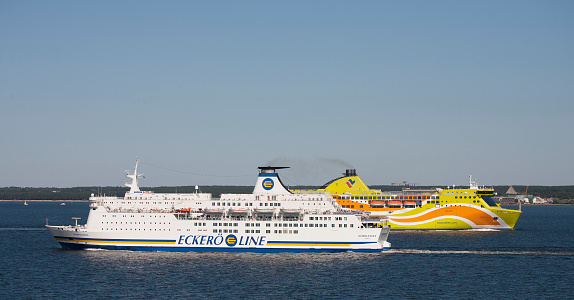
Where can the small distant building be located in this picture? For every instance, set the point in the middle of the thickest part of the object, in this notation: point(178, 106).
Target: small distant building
point(511, 191)
point(405, 183)
point(538, 200)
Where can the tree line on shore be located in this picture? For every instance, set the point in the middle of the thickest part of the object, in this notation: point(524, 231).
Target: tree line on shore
point(561, 194)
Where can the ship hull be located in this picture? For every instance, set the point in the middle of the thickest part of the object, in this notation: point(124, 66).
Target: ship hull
point(306, 240)
point(451, 218)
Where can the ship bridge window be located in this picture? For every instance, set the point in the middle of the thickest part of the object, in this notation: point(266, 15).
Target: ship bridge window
point(489, 200)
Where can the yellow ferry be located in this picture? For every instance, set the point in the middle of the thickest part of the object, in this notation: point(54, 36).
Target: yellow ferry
point(423, 209)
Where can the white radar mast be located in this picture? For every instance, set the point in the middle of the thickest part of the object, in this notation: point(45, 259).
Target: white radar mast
point(134, 177)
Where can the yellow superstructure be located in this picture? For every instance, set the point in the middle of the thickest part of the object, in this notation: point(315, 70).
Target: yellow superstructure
point(419, 209)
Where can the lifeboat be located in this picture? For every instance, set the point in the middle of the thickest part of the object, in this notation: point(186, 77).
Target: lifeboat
point(215, 210)
point(264, 210)
point(395, 203)
point(183, 210)
point(410, 203)
point(291, 211)
point(377, 203)
point(241, 211)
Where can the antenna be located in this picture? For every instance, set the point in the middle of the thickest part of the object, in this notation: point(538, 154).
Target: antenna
point(472, 182)
point(134, 177)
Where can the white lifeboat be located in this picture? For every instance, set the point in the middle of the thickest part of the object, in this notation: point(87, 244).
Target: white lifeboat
point(291, 210)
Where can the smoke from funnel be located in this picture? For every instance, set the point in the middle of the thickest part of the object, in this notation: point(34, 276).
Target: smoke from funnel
point(309, 172)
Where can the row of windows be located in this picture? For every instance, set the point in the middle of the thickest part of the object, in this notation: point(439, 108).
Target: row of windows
point(287, 231)
point(123, 202)
point(371, 197)
point(279, 225)
point(154, 223)
point(136, 229)
point(246, 231)
point(327, 218)
point(225, 231)
point(400, 197)
point(351, 206)
point(143, 216)
point(461, 197)
point(245, 204)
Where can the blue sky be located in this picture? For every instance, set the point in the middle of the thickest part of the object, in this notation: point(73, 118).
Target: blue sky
point(422, 91)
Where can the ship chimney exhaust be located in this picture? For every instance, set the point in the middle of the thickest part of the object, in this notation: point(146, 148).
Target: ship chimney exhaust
point(350, 172)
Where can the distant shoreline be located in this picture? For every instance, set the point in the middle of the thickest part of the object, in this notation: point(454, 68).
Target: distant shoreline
point(44, 200)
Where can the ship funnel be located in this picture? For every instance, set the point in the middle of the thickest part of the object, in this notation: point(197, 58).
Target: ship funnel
point(269, 183)
point(350, 172)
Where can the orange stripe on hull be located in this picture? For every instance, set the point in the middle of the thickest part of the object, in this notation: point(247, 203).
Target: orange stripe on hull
point(475, 215)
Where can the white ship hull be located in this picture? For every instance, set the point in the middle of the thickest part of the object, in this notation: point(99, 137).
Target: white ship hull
point(221, 235)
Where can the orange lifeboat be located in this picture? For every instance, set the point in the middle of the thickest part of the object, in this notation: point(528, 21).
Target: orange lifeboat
point(377, 203)
point(183, 210)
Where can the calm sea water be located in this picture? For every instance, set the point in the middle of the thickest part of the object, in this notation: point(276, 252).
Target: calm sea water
point(534, 261)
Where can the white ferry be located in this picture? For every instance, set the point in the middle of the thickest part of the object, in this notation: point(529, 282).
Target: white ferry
point(271, 219)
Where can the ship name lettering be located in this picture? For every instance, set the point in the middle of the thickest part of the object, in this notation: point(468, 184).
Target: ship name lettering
point(251, 241)
point(202, 240)
point(215, 242)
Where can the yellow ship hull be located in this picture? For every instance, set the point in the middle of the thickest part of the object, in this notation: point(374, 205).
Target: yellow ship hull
point(450, 218)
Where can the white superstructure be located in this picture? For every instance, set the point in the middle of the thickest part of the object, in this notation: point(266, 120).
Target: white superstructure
point(271, 219)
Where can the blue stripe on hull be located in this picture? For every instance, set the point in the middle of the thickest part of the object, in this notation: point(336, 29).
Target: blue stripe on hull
point(444, 229)
point(74, 246)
